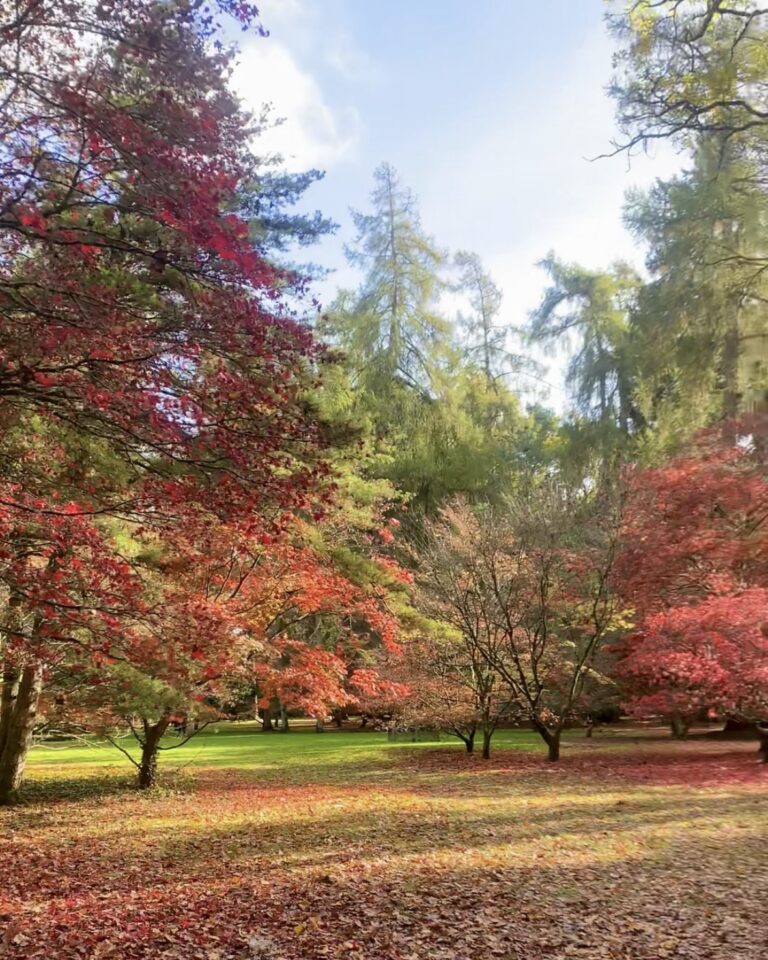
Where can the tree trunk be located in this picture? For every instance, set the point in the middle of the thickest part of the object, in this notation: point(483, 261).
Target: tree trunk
point(487, 734)
point(551, 738)
point(319, 725)
point(469, 742)
point(762, 732)
point(19, 727)
point(737, 726)
point(266, 720)
point(153, 734)
point(678, 726)
point(8, 693)
point(730, 364)
point(283, 720)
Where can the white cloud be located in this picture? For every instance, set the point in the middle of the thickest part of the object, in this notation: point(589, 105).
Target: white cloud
point(349, 61)
point(313, 134)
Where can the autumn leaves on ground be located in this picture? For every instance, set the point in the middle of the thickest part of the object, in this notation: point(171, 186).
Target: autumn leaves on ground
point(305, 846)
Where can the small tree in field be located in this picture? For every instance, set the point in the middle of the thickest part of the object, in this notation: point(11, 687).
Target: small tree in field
point(148, 706)
point(527, 586)
point(452, 687)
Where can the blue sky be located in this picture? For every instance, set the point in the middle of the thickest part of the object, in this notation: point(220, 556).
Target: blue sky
point(489, 109)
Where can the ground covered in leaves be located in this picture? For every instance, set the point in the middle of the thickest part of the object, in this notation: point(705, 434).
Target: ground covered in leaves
point(306, 846)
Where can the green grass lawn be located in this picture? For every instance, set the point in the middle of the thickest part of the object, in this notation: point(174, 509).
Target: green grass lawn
point(243, 746)
point(304, 846)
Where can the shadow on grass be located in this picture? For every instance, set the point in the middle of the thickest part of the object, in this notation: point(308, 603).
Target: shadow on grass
point(252, 829)
point(425, 769)
point(86, 787)
point(399, 852)
point(431, 771)
point(43, 792)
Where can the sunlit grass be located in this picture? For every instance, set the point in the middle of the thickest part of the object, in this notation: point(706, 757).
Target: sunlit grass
point(243, 746)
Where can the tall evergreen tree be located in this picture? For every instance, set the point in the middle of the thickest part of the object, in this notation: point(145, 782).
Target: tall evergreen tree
point(486, 341)
point(390, 326)
point(593, 308)
point(688, 71)
point(702, 322)
point(436, 425)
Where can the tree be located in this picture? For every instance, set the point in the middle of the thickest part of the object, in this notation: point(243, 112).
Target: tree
point(145, 345)
point(700, 323)
point(148, 706)
point(691, 70)
point(432, 424)
point(319, 636)
point(135, 308)
point(390, 327)
point(693, 564)
point(528, 588)
point(68, 589)
point(486, 341)
point(695, 74)
point(705, 658)
point(597, 311)
point(228, 612)
point(453, 688)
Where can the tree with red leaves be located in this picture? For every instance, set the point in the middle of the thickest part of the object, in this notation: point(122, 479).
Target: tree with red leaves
point(319, 633)
point(151, 377)
point(694, 564)
point(224, 612)
point(136, 310)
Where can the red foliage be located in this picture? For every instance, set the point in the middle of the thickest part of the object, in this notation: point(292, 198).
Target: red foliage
point(317, 637)
point(227, 608)
point(695, 764)
point(134, 308)
point(695, 566)
point(144, 347)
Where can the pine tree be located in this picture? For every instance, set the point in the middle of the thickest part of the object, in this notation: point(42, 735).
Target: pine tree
point(486, 341)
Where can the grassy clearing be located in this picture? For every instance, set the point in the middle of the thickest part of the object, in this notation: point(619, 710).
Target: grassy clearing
point(242, 746)
point(342, 845)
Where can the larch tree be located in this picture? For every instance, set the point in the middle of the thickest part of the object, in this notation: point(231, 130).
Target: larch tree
point(689, 70)
point(390, 327)
point(487, 342)
point(591, 313)
point(434, 424)
point(701, 323)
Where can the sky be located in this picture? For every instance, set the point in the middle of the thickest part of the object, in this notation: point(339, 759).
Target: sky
point(489, 109)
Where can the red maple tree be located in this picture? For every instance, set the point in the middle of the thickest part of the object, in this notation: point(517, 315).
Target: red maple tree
point(695, 566)
point(152, 377)
point(227, 610)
